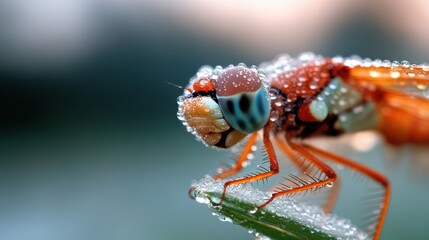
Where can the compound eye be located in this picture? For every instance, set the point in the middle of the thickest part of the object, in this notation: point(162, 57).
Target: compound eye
point(243, 99)
point(203, 85)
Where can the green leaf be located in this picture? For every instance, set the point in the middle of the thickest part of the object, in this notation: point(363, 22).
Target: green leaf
point(262, 221)
point(281, 219)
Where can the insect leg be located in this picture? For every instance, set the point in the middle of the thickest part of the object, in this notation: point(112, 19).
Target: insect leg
point(306, 185)
point(375, 176)
point(241, 159)
point(274, 166)
point(304, 166)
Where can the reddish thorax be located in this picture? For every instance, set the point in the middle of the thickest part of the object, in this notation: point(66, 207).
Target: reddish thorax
point(305, 81)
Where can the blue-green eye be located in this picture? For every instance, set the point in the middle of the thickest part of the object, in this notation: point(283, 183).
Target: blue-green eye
point(243, 99)
point(246, 112)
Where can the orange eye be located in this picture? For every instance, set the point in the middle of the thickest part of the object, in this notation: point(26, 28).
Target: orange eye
point(203, 85)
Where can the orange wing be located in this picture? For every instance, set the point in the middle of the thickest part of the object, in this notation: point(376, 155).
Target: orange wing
point(402, 95)
point(412, 80)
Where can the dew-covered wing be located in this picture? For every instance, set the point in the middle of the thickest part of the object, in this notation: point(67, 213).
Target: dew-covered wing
point(408, 78)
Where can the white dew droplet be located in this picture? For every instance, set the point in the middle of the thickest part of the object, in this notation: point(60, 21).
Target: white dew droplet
point(180, 100)
point(274, 116)
point(405, 64)
point(395, 64)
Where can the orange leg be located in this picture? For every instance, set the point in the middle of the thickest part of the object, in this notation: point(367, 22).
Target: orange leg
point(291, 154)
point(241, 159)
point(274, 166)
point(304, 185)
point(303, 167)
point(367, 172)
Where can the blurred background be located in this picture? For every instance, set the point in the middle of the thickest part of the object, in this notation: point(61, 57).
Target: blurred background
point(90, 146)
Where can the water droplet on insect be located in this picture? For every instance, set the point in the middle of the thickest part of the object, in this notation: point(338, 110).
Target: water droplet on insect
point(274, 116)
point(395, 74)
point(266, 84)
point(180, 100)
point(313, 85)
point(343, 90)
point(278, 103)
point(273, 93)
point(180, 116)
point(395, 64)
point(377, 63)
point(405, 64)
point(425, 67)
point(288, 108)
point(411, 74)
point(386, 63)
point(342, 118)
point(302, 79)
point(332, 86)
point(422, 86)
point(330, 184)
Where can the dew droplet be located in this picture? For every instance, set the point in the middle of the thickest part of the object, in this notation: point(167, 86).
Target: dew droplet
point(224, 219)
point(330, 184)
point(288, 108)
point(395, 64)
point(386, 63)
point(180, 100)
point(274, 116)
point(395, 74)
point(302, 79)
point(273, 93)
point(377, 63)
point(313, 85)
point(180, 116)
point(252, 211)
point(405, 64)
point(422, 86)
point(266, 84)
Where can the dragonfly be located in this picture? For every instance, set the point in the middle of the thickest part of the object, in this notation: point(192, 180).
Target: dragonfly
point(290, 99)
